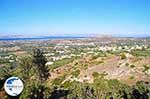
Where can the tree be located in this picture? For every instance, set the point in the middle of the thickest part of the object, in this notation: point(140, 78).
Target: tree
point(25, 64)
point(37, 92)
point(59, 94)
point(4, 74)
point(141, 90)
point(39, 61)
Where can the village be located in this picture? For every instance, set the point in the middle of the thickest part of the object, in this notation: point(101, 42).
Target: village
point(56, 50)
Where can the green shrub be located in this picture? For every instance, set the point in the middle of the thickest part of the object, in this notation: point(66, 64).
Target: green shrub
point(99, 62)
point(62, 62)
point(102, 75)
point(95, 57)
point(95, 74)
point(132, 77)
point(58, 81)
point(76, 73)
point(123, 56)
point(146, 68)
point(141, 53)
point(127, 64)
point(132, 66)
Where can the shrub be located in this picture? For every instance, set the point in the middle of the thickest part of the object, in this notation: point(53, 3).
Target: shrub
point(94, 57)
point(132, 66)
point(146, 68)
point(141, 53)
point(95, 74)
point(123, 56)
point(58, 81)
point(127, 64)
point(76, 73)
point(132, 77)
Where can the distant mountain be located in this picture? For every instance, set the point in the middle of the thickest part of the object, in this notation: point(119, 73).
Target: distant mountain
point(25, 37)
point(94, 36)
point(16, 36)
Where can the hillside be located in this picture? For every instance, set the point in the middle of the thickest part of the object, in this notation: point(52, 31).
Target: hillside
point(78, 68)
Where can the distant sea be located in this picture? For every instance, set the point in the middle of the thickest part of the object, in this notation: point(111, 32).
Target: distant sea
point(40, 38)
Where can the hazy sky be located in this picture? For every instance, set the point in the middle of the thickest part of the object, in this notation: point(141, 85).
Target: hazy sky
point(57, 17)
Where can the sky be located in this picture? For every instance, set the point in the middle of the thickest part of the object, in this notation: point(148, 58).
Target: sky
point(75, 17)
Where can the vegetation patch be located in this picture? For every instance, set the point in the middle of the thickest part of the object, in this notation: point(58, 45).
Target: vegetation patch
point(131, 77)
point(127, 64)
point(146, 69)
point(132, 66)
point(58, 81)
point(76, 73)
point(141, 53)
point(123, 56)
point(95, 74)
point(61, 63)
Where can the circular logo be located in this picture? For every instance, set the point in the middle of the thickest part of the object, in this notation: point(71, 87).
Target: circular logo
point(13, 86)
